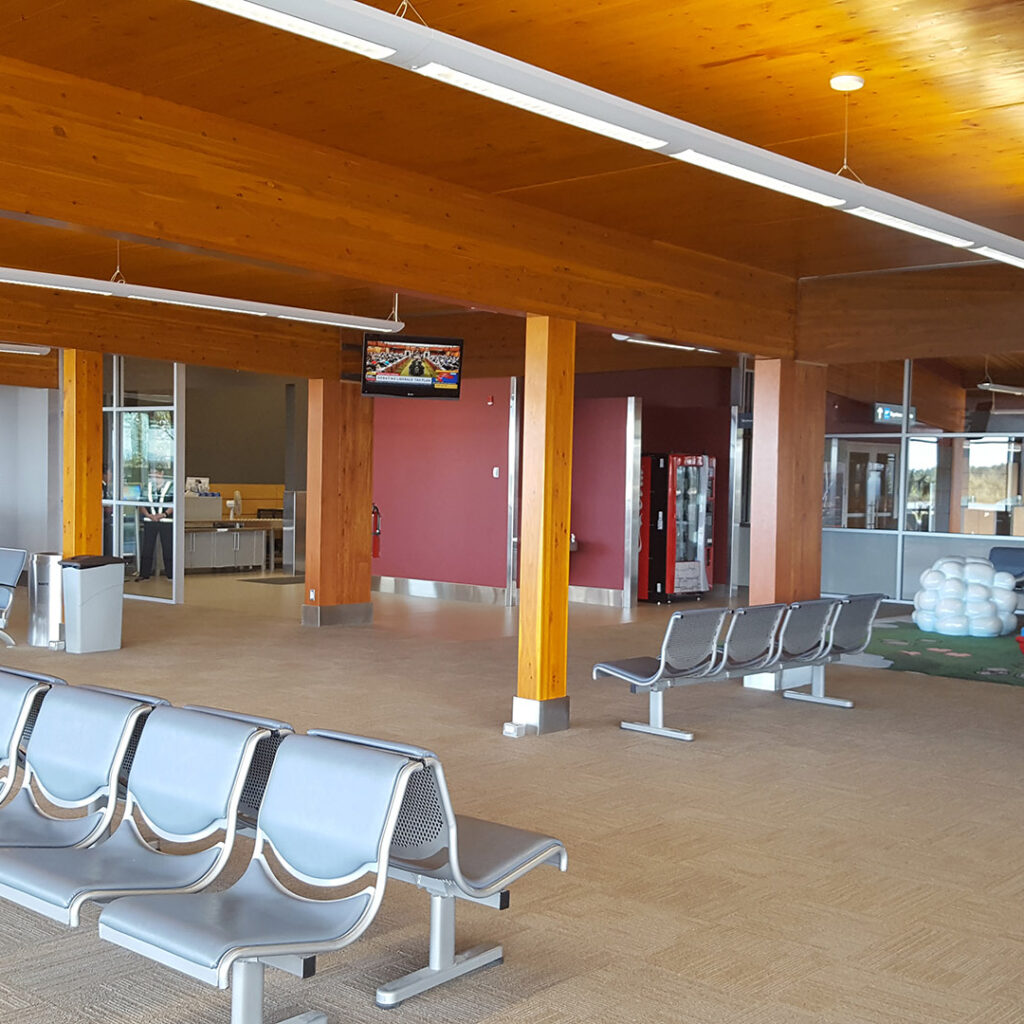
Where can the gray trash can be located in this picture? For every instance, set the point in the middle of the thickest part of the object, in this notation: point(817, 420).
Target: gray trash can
point(45, 600)
point(93, 596)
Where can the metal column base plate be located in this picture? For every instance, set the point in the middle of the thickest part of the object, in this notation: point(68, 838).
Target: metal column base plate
point(537, 716)
point(397, 991)
point(309, 1017)
point(832, 702)
point(655, 730)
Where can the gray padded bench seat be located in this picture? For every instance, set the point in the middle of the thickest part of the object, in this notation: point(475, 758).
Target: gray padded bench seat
point(185, 784)
point(451, 857)
point(328, 815)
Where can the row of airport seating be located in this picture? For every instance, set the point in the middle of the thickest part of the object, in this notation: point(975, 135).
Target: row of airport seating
point(116, 798)
point(791, 643)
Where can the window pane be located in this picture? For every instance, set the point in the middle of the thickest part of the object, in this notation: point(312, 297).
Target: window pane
point(147, 382)
point(861, 484)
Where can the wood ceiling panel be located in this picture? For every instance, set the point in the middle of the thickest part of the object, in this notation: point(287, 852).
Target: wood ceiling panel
point(939, 121)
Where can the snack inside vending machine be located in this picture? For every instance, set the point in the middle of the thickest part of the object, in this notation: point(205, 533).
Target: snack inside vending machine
point(677, 502)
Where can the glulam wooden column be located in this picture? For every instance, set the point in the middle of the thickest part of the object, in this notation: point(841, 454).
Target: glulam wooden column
point(541, 704)
point(786, 485)
point(82, 393)
point(339, 494)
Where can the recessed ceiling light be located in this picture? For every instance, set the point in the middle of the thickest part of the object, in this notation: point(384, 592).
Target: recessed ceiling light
point(846, 82)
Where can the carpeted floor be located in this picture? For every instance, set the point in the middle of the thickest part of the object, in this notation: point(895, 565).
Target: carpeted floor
point(995, 659)
point(795, 864)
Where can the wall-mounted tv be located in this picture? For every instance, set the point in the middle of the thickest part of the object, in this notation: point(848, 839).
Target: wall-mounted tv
point(408, 367)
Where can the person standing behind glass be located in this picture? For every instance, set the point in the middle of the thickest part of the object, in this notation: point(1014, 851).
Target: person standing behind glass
point(157, 522)
point(108, 514)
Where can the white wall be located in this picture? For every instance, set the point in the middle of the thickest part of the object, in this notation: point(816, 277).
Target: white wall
point(30, 471)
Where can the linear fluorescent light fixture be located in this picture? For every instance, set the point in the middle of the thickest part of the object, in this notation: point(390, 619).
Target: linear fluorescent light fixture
point(407, 44)
point(1001, 389)
point(909, 226)
point(633, 339)
point(710, 163)
point(1003, 257)
point(194, 300)
point(301, 27)
point(24, 350)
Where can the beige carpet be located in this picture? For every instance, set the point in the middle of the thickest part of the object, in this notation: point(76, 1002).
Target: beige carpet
point(795, 864)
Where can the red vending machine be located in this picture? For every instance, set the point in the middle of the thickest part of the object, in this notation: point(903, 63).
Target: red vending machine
point(677, 503)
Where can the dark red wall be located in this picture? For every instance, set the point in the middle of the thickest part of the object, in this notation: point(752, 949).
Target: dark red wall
point(598, 492)
point(444, 515)
point(684, 411)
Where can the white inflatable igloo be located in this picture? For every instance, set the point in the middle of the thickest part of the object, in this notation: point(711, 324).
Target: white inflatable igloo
point(963, 596)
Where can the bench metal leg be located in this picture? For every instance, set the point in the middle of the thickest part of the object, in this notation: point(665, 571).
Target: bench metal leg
point(247, 997)
point(817, 694)
point(445, 964)
point(656, 725)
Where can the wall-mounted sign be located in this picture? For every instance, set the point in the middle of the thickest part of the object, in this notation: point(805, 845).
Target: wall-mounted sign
point(892, 413)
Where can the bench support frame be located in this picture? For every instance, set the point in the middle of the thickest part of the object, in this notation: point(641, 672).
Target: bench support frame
point(656, 725)
point(247, 997)
point(444, 963)
point(817, 694)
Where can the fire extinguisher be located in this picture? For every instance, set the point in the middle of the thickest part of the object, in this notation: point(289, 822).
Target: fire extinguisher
point(375, 527)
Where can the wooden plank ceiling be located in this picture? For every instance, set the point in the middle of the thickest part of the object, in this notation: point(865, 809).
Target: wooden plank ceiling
point(940, 121)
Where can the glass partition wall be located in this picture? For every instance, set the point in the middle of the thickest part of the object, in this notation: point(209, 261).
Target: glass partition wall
point(901, 491)
point(142, 479)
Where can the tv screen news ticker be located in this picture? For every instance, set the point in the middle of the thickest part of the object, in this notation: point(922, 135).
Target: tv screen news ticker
point(411, 367)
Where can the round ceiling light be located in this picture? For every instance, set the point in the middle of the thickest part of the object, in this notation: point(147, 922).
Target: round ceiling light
point(846, 83)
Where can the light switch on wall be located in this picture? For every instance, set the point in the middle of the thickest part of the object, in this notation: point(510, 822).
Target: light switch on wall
point(496, 472)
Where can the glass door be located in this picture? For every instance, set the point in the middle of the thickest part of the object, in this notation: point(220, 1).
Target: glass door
point(143, 516)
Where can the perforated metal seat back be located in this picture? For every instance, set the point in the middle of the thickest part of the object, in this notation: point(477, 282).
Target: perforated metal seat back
point(15, 691)
point(753, 632)
point(805, 627)
point(185, 769)
point(422, 827)
point(76, 737)
point(853, 625)
point(692, 639)
point(12, 563)
point(327, 804)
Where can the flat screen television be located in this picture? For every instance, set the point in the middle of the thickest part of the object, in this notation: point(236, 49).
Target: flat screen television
point(395, 364)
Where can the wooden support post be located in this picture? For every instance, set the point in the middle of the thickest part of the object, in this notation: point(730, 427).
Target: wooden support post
point(339, 493)
point(786, 484)
point(541, 704)
point(83, 453)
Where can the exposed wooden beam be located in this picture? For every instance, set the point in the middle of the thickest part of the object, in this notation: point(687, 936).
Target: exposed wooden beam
point(788, 454)
point(102, 158)
point(339, 497)
point(547, 484)
point(94, 323)
point(29, 371)
point(911, 315)
point(83, 454)
point(937, 393)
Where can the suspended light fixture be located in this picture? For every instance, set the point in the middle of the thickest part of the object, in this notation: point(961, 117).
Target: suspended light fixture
point(357, 28)
point(194, 300)
point(24, 350)
point(639, 339)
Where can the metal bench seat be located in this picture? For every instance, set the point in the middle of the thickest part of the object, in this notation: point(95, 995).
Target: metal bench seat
point(184, 785)
point(451, 857)
point(12, 563)
point(327, 815)
point(78, 744)
point(787, 645)
point(846, 631)
point(19, 701)
point(690, 651)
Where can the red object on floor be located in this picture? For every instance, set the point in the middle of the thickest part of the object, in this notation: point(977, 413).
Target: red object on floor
point(1020, 643)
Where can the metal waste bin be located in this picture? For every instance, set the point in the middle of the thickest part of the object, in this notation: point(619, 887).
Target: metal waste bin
point(93, 596)
point(45, 600)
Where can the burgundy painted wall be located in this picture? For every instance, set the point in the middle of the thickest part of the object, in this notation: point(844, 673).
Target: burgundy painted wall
point(683, 411)
point(444, 516)
point(598, 492)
